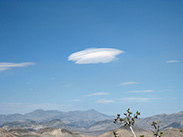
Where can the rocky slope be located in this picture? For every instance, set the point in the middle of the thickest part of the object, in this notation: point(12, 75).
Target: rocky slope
point(123, 132)
point(58, 132)
point(94, 129)
point(47, 132)
point(174, 120)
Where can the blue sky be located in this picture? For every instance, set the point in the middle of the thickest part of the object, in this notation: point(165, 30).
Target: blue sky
point(79, 55)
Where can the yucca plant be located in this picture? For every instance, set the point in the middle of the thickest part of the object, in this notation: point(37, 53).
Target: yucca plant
point(128, 120)
point(156, 130)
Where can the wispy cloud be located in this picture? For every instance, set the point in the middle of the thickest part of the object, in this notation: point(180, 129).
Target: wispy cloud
point(95, 55)
point(98, 94)
point(135, 99)
point(129, 83)
point(2, 69)
point(66, 86)
point(6, 66)
point(77, 100)
point(103, 101)
point(172, 61)
point(51, 78)
point(166, 90)
point(141, 91)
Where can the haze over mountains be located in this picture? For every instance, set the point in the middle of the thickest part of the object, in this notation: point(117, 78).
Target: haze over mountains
point(46, 115)
point(174, 120)
point(87, 122)
point(74, 120)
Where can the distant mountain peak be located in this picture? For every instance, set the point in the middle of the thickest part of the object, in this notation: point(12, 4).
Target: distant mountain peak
point(39, 110)
point(92, 110)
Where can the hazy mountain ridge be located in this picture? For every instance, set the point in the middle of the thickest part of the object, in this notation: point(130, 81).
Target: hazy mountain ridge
point(166, 120)
point(89, 128)
point(39, 119)
point(47, 115)
point(89, 122)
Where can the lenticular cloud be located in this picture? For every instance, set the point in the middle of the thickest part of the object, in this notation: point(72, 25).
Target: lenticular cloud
point(95, 55)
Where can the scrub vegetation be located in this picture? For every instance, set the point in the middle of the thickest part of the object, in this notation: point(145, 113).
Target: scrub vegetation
point(129, 121)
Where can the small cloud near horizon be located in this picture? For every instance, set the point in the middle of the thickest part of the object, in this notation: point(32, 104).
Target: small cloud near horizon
point(129, 83)
point(77, 100)
point(6, 66)
point(141, 91)
point(51, 78)
point(172, 61)
point(98, 94)
point(94, 55)
point(135, 99)
point(103, 101)
point(167, 90)
point(66, 86)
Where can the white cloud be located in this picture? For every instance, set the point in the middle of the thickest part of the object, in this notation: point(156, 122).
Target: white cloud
point(141, 91)
point(103, 101)
point(95, 55)
point(6, 66)
point(129, 83)
point(135, 99)
point(98, 94)
point(172, 61)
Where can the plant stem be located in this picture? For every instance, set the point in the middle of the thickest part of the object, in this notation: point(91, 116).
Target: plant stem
point(132, 131)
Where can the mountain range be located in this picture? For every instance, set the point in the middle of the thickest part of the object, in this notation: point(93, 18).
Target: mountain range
point(88, 122)
point(174, 120)
point(46, 115)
